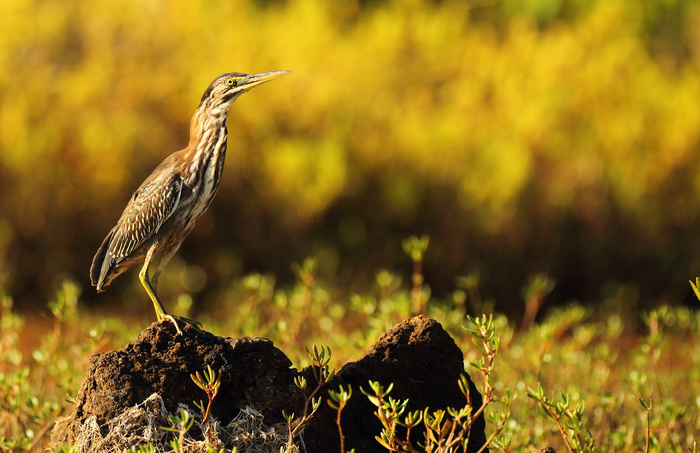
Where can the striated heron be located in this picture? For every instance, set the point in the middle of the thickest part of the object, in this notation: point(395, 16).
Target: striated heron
point(163, 210)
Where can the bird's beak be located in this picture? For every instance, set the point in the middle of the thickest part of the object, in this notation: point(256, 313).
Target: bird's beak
point(256, 79)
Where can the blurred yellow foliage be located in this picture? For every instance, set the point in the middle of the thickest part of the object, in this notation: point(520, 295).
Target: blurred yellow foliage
point(528, 112)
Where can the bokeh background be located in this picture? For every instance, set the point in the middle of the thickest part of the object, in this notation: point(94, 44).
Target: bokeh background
point(523, 136)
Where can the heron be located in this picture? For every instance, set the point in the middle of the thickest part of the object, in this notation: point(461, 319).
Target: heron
point(163, 210)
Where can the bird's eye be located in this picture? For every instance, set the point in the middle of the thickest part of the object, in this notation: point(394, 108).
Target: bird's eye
point(230, 82)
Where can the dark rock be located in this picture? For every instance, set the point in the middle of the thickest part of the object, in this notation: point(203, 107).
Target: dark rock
point(424, 364)
point(417, 356)
point(253, 373)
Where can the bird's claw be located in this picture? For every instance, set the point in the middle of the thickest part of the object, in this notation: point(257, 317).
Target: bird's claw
point(174, 319)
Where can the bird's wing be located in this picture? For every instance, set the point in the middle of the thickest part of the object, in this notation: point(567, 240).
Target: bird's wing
point(150, 206)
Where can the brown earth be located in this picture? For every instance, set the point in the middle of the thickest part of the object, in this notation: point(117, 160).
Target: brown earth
point(417, 356)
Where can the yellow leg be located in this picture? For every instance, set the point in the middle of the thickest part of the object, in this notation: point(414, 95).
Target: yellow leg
point(160, 309)
point(161, 314)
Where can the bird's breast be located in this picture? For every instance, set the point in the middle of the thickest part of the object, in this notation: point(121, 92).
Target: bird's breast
point(205, 169)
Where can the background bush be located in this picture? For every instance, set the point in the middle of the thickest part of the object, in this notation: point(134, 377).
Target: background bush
point(522, 136)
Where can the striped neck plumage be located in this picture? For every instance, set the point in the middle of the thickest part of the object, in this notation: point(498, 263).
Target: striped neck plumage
point(209, 117)
point(208, 136)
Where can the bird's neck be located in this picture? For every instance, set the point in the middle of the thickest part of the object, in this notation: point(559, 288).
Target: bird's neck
point(206, 121)
point(207, 148)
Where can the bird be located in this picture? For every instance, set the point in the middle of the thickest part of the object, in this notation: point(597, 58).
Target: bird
point(165, 207)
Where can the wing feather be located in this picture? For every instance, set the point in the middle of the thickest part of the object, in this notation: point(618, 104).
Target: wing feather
point(148, 209)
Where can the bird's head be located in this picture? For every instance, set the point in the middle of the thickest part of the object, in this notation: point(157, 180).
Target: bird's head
point(224, 90)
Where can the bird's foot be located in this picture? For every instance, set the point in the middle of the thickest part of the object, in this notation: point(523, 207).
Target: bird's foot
point(175, 319)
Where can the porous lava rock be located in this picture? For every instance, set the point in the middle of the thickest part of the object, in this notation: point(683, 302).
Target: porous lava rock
point(253, 373)
point(422, 361)
point(417, 356)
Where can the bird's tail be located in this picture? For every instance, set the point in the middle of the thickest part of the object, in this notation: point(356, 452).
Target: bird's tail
point(98, 270)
